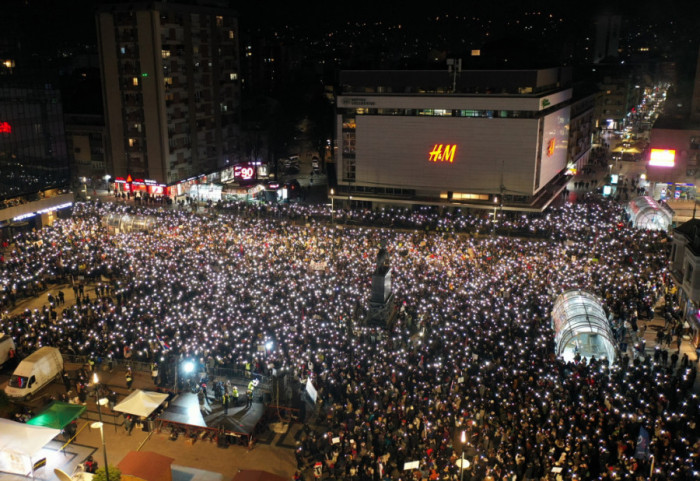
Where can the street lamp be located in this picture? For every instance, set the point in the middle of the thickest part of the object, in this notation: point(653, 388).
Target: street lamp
point(100, 402)
point(495, 206)
point(332, 204)
point(463, 463)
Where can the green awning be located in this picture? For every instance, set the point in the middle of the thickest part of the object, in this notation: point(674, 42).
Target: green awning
point(57, 415)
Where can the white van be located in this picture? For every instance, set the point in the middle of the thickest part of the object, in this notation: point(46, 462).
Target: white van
point(6, 345)
point(34, 372)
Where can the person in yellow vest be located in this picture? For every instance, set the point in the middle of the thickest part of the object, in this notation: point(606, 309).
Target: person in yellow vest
point(249, 394)
point(224, 403)
point(248, 368)
point(234, 396)
point(129, 377)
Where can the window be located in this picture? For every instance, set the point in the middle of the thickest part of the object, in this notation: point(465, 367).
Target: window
point(219, 21)
point(688, 273)
point(230, 34)
point(132, 142)
point(165, 53)
point(135, 81)
point(233, 76)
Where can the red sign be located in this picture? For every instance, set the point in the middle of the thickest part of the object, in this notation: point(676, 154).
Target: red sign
point(244, 172)
point(442, 153)
point(5, 128)
point(550, 147)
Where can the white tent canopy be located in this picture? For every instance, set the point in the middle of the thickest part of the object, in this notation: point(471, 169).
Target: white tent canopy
point(141, 403)
point(19, 443)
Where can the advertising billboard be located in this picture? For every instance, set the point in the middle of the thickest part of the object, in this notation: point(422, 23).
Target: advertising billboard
point(662, 157)
point(461, 154)
point(555, 142)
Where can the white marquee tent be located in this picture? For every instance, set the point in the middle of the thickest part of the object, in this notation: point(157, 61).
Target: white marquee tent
point(141, 403)
point(20, 443)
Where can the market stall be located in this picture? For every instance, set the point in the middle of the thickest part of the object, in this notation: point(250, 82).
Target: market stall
point(21, 445)
point(57, 415)
point(141, 403)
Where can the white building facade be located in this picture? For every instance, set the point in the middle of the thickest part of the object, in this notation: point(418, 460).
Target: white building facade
point(449, 147)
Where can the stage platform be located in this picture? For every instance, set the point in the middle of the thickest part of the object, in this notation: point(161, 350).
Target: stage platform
point(184, 409)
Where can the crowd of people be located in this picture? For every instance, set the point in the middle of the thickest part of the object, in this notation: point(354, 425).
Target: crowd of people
point(469, 349)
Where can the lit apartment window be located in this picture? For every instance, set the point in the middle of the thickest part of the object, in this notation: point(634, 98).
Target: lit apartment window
point(135, 81)
point(233, 76)
point(132, 142)
point(168, 81)
point(230, 34)
point(219, 21)
point(165, 53)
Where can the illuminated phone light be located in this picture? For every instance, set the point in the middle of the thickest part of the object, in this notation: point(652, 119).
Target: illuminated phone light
point(662, 157)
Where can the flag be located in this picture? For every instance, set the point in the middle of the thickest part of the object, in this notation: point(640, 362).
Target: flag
point(642, 451)
point(163, 344)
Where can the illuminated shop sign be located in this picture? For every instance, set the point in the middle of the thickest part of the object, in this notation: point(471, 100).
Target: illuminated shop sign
point(662, 157)
point(442, 153)
point(5, 128)
point(550, 147)
point(244, 172)
point(119, 180)
point(42, 211)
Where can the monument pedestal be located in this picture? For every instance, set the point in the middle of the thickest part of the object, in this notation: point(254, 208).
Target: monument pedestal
point(382, 298)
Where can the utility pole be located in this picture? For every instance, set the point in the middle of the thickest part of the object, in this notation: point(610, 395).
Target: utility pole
point(454, 66)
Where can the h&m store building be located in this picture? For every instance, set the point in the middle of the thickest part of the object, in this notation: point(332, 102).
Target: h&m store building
point(469, 139)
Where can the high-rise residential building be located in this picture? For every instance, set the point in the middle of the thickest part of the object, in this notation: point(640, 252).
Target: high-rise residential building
point(171, 91)
point(607, 37)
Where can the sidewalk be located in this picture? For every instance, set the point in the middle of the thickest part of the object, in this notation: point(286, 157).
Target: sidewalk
point(653, 326)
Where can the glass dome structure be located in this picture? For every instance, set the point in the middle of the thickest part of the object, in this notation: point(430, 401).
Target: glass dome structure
point(129, 222)
point(645, 213)
point(581, 327)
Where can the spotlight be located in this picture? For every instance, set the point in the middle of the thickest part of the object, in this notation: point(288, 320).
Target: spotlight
point(188, 367)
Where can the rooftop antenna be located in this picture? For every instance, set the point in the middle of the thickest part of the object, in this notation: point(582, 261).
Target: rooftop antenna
point(454, 66)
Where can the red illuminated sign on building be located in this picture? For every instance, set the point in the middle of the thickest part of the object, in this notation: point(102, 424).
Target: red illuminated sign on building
point(5, 128)
point(244, 172)
point(442, 153)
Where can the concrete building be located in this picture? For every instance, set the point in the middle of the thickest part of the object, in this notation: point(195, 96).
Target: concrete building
point(170, 87)
point(86, 139)
point(34, 166)
point(607, 37)
point(473, 138)
point(685, 272)
point(614, 100)
point(582, 126)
